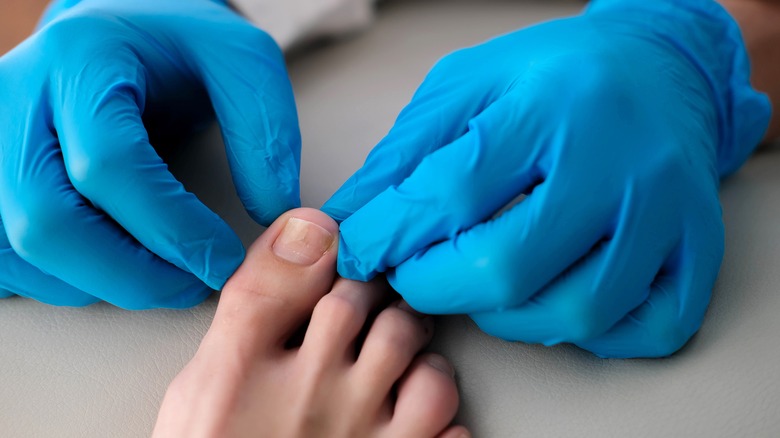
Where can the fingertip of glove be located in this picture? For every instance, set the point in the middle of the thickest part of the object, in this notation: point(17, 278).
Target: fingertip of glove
point(336, 214)
point(267, 211)
point(263, 216)
point(190, 298)
point(215, 258)
point(82, 301)
point(350, 268)
point(337, 207)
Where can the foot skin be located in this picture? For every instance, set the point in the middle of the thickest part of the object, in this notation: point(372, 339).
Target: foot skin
point(352, 375)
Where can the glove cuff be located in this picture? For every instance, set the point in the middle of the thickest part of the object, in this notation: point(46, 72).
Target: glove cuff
point(706, 34)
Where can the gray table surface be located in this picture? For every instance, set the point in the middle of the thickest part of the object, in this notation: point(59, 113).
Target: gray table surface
point(101, 371)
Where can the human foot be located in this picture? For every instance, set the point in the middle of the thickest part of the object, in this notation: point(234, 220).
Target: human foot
point(352, 375)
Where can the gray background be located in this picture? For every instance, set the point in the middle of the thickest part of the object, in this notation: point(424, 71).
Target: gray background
point(101, 371)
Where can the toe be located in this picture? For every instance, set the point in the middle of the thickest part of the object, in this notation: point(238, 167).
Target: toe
point(455, 432)
point(427, 400)
point(339, 318)
point(395, 338)
point(288, 269)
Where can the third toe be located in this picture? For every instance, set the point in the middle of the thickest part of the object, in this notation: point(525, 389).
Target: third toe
point(394, 339)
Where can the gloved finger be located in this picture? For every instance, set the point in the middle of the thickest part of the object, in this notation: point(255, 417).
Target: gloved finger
point(4, 292)
point(253, 100)
point(52, 227)
point(110, 161)
point(21, 278)
point(592, 296)
point(437, 115)
point(675, 308)
point(28, 281)
point(54, 10)
point(500, 263)
point(465, 183)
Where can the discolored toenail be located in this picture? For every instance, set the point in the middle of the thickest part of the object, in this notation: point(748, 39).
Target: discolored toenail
point(302, 242)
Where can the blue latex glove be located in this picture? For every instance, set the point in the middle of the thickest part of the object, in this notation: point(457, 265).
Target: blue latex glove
point(89, 210)
point(617, 125)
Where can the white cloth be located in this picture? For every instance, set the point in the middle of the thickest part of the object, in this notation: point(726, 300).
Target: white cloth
point(293, 21)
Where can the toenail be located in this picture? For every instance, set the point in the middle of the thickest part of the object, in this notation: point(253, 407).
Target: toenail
point(441, 364)
point(403, 305)
point(302, 242)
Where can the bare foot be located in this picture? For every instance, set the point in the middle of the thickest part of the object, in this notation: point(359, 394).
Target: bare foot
point(351, 376)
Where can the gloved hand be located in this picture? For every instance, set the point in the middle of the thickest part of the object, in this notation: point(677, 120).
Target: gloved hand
point(89, 210)
point(616, 124)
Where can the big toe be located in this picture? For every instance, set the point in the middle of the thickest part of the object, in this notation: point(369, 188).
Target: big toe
point(286, 272)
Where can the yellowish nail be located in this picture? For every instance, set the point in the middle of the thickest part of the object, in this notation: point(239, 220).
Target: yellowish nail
point(302, 242)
